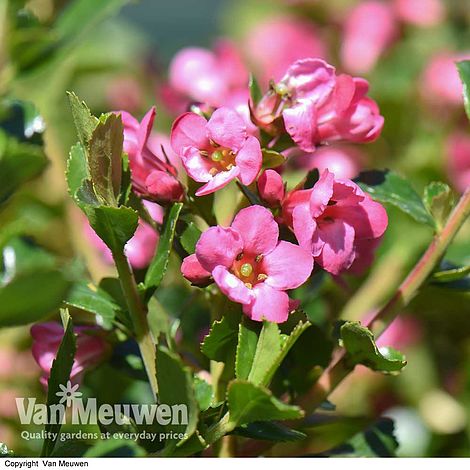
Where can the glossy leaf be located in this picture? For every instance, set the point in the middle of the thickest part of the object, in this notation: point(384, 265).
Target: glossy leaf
point(272, 159)
point(270, 431)
point(190, 237)
point(438, 199)
point(221, 340)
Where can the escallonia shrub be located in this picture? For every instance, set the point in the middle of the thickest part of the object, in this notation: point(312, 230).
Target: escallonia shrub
point(152, 202)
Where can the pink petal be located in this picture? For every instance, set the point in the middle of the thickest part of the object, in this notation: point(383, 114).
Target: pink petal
point(300, 122)
point(218, 181)
point(192, 270)
point(140, 249)
point(232, 286)
point(145, 127)
point(269, 304)
point(197, 166)
point(189, 130)
point(258, 229)
point(321, 193)
point(218, 246)
point(338, 250)
point(271, 187)
point(226, 128)
point(249, 159)
point(304, 226)
point(163, 187)
point(288, 266)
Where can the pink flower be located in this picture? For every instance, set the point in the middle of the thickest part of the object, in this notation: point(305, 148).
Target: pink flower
point(124, 93)
point(458, 160)
point(46, 340)
point(343, 160)
point(319, 106)
point(420, 12)
point(140, 249)
point(271, 188)
point(194, 272)
point(216, 151)
point(402, 333)
point(153, 176)
point(369, 30)
point(251, 266)
point(337, 222)
point(441, 81)
point(200, 75)
point(278, 42)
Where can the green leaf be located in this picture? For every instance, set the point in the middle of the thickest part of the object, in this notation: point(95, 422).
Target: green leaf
point(221, 340)
point(204, 393)
point(272, 159)
point(85, 122)
point(114, 225)
point(45, 289)
point(255, 90)
point(246, 348)
point(270, 431)
point(115, 448)
point(175, 387)
point(439, 200)
point(105, 158)
point(60, 374)
point(190, 237)
point(19, 163)
point(361, 348)
point(85, 296)
point(464, 72)
point(248, 403)
point(388, 187)
point(77, 170)
point(451, 274)
point(159, 264)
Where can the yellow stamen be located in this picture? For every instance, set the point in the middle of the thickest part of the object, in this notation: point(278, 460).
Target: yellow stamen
point(262, 277)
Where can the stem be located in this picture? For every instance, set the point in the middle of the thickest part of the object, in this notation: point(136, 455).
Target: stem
point(139, 318)
point(338, 368)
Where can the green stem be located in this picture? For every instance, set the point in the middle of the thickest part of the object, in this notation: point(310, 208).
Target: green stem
point(138, 314)
point(339, 368)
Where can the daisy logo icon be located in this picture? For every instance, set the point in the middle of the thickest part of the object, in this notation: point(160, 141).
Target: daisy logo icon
point(68, 393)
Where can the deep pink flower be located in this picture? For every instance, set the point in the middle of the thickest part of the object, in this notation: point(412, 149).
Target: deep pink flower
point(370, 28)
point(153, 176)
point(319, 106)
point(91, 348)
point(194, 272)
point(344, 161)
point(278, 42)
point(420, 12)
point(441, 81)
point(271, 187)
point(251, 266)
point(140, 249)
point(458, 160)
point(200, 75)
point(337, 222)
point(216, 151)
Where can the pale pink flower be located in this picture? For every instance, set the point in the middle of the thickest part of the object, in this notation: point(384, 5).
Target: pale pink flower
point(441, 82)
point(420, 12)
point(344, 161)
point(201, 75)
point(91, 348)
point(251, 266)
point(153, 176)
point(277, 42)
point(369, 29)
point(337, 222)
point(271, 188)
point(458, 160)
point(217, 151)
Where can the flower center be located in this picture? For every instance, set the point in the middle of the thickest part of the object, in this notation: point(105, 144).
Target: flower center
point(222, 159)
point(249, 269)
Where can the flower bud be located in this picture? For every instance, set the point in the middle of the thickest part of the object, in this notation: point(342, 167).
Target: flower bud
point(163, 187)
point(194, 272)
point(271, 187)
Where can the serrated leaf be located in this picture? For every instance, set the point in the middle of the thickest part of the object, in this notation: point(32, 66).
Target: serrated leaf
point(85, 122)
point(361, 349)
point(248, 403)
point(438, 199)
point(190, 237)
point(204, 393)
point(60, 374)
point(221, 340)
point(464, 72)
point(105, 158)
point(175, 387)
point(114, 225)
point(246, 348)
point(272, 159)
point(77, 170)
point(159, 264)
point(388, 187)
